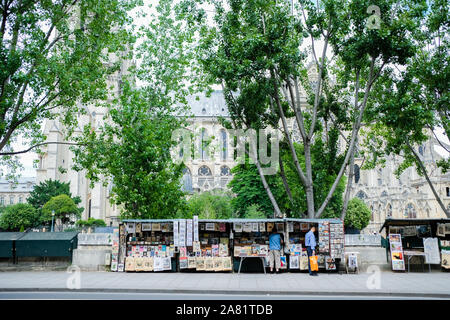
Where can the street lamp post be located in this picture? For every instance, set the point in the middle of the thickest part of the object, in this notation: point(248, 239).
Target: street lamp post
point(53, 216)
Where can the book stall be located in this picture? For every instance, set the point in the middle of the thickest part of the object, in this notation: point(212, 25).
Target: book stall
point(207, 245)
point(146, 245)
point(412, 241)
point(330, 242)
point(251, 240)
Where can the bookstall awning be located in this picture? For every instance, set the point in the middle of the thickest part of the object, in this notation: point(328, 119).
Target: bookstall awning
point(313, 220)
point(149, 220)
point(238, 220)
point(412, 222)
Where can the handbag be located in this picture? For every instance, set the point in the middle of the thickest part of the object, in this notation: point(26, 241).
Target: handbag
point(313, 263)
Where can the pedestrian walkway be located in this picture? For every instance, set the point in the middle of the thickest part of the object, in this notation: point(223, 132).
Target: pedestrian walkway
point(410, 284)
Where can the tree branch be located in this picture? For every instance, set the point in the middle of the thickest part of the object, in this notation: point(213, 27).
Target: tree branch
point(38, 145)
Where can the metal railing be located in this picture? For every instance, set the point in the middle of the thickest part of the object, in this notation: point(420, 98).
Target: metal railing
point(362, 240)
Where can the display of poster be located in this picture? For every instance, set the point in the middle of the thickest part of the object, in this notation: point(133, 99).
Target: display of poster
point(283, 263)
point(175, 234)
point(222, 227)
point(131, 228)
point(182, 233)
point(255, 227)
point(146, 227)
point(431, 249)
point(195, 219)
point(262, 227)
point(189, 232)
point(397, 258)
point(247, 227)
point(294, 262)
point(158, 264)
point(238, 227)
point(290, 227)
point(210, 226)
point(330, 263)
point(445, 259)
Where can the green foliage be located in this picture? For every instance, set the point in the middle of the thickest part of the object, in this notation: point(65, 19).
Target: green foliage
point(358, 214)
point(64, 208)
point(210, 205)
point(254, 212)
point(133, 151)
point(47, 189)
point(91, 222)
point(52, 56)
point(249, 190)
point(18, 217)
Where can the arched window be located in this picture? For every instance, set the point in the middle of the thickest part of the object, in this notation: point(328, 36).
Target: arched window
point(357, 173)
point(2, 201)
point(20, 199)
point(384, 194)
point(224, 153)
point(204, 171)
point(203, 144)
point(371, 210)
point(11, 199)
point(421, 150)
point(410, 211)
point(225, 171)
point(389, 211)
point(187, 180)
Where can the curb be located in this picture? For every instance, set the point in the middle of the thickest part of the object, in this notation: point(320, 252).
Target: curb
point(236, 292)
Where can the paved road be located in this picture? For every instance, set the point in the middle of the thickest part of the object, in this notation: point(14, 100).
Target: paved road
point(382, 283)
point(159, 296)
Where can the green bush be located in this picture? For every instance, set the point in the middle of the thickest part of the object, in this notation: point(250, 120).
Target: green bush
point(18, 217)
point(209, 205)
point(358, 214)
point(91, 222)
point(254, 212)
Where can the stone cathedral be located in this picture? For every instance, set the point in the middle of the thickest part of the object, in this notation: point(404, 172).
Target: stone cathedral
point(386, 196)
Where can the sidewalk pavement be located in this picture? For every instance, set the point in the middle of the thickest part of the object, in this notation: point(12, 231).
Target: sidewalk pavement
point(434, 284)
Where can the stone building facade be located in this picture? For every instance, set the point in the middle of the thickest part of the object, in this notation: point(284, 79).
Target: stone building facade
point(386, 196)
point(14, 193)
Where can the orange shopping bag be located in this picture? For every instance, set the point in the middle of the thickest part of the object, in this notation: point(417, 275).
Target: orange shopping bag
point(313, 263)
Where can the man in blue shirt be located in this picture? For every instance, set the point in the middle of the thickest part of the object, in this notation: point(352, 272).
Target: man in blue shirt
point(275, 248)
point(310, 244)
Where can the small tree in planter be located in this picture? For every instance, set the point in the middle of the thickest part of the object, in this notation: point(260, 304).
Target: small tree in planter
point(358, 215)
point(90, 223)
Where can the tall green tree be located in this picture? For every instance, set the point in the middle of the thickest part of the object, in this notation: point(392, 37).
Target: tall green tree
point(414, 103)
point(132, 150)
point(63, 207)
point(358, 215)
point(47, 189)
point(55, 59)
point(254, 51)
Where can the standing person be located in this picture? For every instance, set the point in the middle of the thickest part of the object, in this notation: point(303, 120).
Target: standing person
point(275, 248)
point(310, 244)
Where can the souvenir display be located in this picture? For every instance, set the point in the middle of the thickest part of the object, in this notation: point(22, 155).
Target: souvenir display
point(237, 227)
point(337, 238)
point(283, 263)
point(294, 262)
point(330, 263)
point(115, 249)
point(431, 249)
point(304, 261)
point(324, 237)
point(397, 259)
point(154, 240)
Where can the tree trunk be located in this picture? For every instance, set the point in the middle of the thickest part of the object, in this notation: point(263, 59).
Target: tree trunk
point(349, 186)
point(424, 171)
point(285, 183)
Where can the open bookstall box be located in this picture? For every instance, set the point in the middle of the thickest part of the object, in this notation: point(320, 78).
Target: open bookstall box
point(329, 238)
point(149, 246)
point(418, 241)
point(211, 251)
point(443, 234)
point(251, 239)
